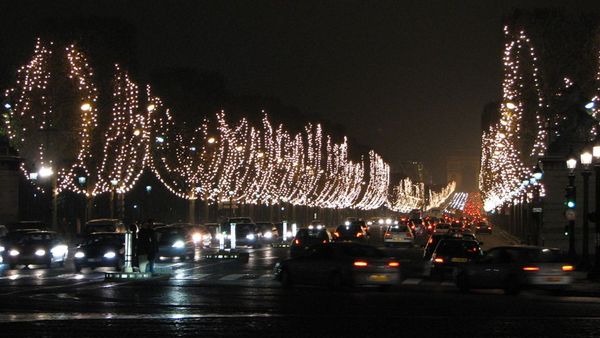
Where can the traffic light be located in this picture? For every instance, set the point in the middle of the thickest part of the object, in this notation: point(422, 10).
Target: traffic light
point(570, 197)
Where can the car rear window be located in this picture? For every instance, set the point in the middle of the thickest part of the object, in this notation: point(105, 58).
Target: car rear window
point(105, 238)
point(398, 228)
point(360, 251)
point(458, 248)
point(349, 229)
point(442, 226)
point(306, 233)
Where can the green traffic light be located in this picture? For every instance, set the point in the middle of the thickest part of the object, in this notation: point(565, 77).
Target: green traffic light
point(571, 204)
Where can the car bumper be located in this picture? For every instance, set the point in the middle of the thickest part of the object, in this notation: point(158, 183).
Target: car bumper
point(97, 261)
point(376, 278)
point(549, 281)
point(170, 252)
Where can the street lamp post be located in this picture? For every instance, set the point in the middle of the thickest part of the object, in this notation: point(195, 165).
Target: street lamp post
point(586, 161)
point(596, 154)
point(571, 165)
point(538, 210)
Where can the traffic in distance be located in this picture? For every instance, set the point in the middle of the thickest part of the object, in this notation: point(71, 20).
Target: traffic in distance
point(380, 252)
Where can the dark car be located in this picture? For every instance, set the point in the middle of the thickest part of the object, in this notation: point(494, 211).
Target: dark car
point(483, 227)
point(100, 249)
point(432, 242)
point(246, 234)
point(27, 225)
point(452, 253)
point(513, 268)
point(199, 234)
point(267, 232)
point(351, 232)
point(338, 264)
point(174, 242)
point(306, 238)
point(34, 248)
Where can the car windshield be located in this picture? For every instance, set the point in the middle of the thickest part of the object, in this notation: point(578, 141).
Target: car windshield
point(167, 234)
point(442, 226)
point(360, 251)
point(458, 248)
point(105, 238)
point(35, 237)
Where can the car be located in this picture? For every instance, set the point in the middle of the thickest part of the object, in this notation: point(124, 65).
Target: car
point(174, 242)
point(450, 253)
point(306, 238)
point(456, 227)
point(100, 249)
point(432, 242)
point(267, 232)
point(37, 247)
point(199, 234)
point(104, 225)
point(483, 227)
point(350, 232)
point(339, 264)
point(513, 268)
point(246, 234)
point(399, 234)
point(442, 228)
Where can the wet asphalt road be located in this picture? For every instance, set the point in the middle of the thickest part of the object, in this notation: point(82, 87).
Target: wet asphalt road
point(240, 299)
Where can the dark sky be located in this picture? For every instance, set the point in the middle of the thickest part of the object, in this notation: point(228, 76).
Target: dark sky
point(409, 78)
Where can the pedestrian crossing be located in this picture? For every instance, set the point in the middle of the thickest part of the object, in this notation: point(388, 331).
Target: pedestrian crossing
point(257, 277)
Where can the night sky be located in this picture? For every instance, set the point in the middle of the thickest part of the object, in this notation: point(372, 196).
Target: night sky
point(408, 78)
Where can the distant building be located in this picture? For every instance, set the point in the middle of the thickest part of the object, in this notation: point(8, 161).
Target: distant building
point(462, 167)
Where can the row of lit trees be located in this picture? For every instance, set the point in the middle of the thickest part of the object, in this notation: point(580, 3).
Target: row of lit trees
point(57, 122)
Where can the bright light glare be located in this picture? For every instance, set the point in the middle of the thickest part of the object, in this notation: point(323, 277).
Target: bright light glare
point(59, 250)
point(196, 237)
point(268, 235)
point(40, 252)
point(86, 107)
point(178, 244)
point(13, 252)
point(79, 254)
point(45, 172)
point(110, 255)
point(590, 105)
point(250, 237)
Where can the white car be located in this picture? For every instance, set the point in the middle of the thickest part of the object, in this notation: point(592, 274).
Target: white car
point(398, 234)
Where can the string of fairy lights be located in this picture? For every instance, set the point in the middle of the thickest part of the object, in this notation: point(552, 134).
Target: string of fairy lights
point(503, 165)
point(221, 160)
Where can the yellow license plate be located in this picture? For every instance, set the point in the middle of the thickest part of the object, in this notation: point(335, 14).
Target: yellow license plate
point(459, 260)
point(379, 278)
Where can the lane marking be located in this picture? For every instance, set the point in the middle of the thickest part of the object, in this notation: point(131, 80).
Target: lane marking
point(234, 276)
point(412, 281)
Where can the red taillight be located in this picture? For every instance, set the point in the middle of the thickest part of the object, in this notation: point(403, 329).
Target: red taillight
point(438, 260)
point(360, 264)
point(388, 235)
point(324, 241)
point(360, 234)
point(336, 234)
point(567, 268)
point(429, 227)
point(531, 268)
point(297, 241)
point(394, 264)
point(430, 240)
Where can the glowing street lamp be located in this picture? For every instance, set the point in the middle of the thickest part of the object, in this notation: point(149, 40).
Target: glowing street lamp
point(511, 106)
point(45, 172)
point(211, 140)
point(86, 107)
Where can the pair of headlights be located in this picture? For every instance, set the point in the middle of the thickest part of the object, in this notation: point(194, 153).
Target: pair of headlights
point(107, 255)
point(57, 251)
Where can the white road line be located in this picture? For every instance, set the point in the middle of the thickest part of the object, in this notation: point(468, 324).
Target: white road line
point(234, 276)
point(196, 276)
point(412, 281)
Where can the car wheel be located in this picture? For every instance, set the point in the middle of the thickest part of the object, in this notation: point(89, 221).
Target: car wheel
point(335, 281)
point(286, 279)
point(462, 282)
point(511, 286)
point(78, 268)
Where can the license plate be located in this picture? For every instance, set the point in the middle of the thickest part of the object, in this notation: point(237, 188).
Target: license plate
point(553, 279)
point(459, 260)
point(379, 278)
point(93, 260)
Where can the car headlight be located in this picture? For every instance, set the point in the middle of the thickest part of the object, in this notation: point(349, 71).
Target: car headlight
point(268, 235)
point(79, 254)
point(40, 252)
point(59, 250)
point(110, 255)
point(13, 252)
point(178, 244)
point(196, 237)
point(2, 248)
point(219, 236)
point(289, 234)
point(250, 237)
